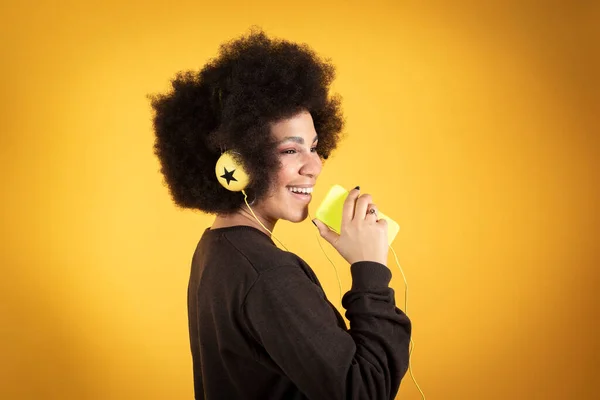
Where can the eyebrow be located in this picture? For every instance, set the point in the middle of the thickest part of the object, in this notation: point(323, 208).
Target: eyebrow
point(296, 139)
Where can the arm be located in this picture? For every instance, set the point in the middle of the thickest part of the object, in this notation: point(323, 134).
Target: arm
point(288, 314)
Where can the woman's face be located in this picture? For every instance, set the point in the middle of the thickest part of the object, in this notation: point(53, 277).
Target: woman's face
point(300, 167)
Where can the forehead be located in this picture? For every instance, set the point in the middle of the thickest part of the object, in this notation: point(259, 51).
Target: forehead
point(298, 128)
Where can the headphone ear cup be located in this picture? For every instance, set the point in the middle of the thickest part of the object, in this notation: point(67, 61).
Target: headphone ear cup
point(230, 174)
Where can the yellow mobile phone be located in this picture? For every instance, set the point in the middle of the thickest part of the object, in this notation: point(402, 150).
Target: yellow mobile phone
point(330, 212)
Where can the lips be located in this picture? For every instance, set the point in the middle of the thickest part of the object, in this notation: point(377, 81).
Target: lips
point(301, 196)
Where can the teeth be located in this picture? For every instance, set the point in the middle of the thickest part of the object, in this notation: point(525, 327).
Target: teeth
point(300, 190)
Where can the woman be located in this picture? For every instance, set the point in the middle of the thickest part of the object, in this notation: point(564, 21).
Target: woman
point(260, 324)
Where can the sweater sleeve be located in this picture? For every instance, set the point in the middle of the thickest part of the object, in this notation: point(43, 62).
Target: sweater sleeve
point(288, 314)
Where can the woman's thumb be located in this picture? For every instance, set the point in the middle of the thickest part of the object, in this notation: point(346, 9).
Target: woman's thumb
point(325, 232)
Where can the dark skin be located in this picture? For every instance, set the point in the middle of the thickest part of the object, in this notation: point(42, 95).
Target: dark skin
point(300, 167)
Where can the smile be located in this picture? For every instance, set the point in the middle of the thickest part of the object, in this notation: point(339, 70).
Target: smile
point(302, 194)
point(300, 190)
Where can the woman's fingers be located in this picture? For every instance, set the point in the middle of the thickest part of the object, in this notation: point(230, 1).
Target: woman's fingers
point(361, 206)
point(349, 204)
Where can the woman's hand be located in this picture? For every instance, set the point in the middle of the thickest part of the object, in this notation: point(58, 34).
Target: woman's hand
point(362, 237)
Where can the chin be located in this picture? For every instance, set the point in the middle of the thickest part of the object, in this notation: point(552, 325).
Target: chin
point(297, 217)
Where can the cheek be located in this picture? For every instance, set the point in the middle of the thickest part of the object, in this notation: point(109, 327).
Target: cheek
point(285, 175)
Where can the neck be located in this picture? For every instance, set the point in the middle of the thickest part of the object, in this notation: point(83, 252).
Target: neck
point(244, 217)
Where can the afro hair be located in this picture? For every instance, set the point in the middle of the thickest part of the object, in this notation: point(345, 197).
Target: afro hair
point(229, 105)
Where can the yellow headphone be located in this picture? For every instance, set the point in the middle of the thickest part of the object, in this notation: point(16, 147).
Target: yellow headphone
point(232, 176)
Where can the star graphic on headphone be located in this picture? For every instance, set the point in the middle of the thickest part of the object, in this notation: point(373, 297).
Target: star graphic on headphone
point(229, 175)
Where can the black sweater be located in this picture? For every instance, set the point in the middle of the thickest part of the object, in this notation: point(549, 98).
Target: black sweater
point(261, 326)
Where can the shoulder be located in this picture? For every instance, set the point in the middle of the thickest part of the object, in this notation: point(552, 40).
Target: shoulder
point(258, 250)
point(243, 251)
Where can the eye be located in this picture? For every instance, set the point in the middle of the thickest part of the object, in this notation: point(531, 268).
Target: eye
point(292, 151)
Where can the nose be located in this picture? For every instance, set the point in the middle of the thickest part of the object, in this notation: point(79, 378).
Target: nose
point(312, 165)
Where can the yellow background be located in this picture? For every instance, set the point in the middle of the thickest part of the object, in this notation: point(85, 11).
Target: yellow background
point(474, 127)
